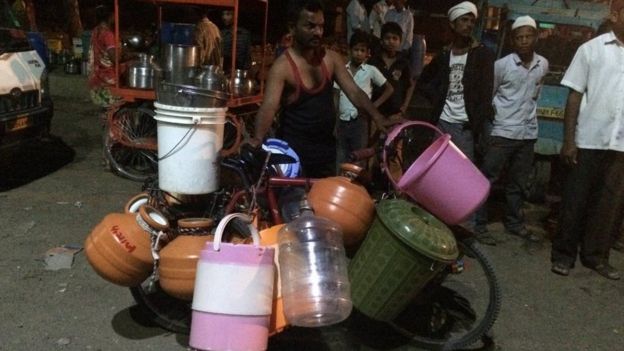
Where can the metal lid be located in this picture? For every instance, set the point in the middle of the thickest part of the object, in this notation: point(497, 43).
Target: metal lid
point(419, 229)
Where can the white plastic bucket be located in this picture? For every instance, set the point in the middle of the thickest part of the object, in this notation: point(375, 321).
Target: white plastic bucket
point(189, 140)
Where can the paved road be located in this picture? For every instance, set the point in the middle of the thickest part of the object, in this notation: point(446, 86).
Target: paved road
point(74, 309)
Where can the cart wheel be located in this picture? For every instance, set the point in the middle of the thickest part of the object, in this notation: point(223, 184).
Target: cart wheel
point(130, 143)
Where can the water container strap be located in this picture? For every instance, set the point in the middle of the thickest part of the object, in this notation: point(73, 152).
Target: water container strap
point(223, 223)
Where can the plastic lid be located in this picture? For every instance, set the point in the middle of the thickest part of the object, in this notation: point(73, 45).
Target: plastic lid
point(418, 229)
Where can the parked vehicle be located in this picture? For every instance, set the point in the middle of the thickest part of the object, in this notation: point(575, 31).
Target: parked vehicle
point(26, 108)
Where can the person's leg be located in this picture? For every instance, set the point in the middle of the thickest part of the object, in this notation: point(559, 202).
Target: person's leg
point(577, 189)
point(614, 175)
point(604, 216)
point(498, 152)
point(520, 166)
point(462, 138)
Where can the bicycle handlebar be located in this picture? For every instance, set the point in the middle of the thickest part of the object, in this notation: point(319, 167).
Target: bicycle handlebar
point(362, 154)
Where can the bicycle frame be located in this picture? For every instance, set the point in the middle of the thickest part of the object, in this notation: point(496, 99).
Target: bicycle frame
point(268, 190)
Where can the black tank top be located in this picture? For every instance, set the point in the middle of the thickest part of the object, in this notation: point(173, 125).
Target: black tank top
point(307, 121)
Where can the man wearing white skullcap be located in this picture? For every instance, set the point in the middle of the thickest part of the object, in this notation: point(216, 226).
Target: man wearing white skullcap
point(592, 200)
point(524, 21)
point(518, 80)
point(458, 83)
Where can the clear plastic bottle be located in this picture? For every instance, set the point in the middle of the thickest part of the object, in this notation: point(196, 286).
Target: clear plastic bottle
point(313, 267)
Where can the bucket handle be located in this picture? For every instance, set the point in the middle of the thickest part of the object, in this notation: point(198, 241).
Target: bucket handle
point(238, 124)
point(216, 243)
point(395, 132)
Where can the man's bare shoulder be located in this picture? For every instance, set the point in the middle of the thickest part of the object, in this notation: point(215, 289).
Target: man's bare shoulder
point(279, 66)
point(335, 57)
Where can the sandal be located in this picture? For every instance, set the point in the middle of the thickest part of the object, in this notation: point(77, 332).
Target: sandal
point(560, 268)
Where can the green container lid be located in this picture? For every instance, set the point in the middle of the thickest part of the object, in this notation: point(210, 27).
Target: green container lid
point(419, 229)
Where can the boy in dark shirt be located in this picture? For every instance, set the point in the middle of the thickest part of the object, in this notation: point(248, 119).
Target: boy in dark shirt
point(396, 68)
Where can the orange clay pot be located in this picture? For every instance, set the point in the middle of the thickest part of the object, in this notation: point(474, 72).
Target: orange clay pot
point(278, 322)
point(134, 204)
point(345, 202)
point(119, 250)
point(178, 260)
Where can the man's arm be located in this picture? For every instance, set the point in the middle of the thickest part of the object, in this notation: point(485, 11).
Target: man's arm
point(498, 76)
point(486, 81)
point(270, 102)
point(409, 32)
point(353, 92)
point(378, 80)
point(570, 118)
point(408, 96)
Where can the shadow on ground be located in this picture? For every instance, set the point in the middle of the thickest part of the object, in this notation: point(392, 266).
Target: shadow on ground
point(30, 161)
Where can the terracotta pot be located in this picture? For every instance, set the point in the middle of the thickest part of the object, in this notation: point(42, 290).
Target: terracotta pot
point(345, 202)
point(178, 260)
point(135, 202)
point(119, 250)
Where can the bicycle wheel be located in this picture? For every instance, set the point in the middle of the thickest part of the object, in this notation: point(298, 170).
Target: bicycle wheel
point(130, 143)
point(164, 310)
point(456, 309)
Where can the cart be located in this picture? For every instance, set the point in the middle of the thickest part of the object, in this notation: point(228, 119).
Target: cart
point(130, 146)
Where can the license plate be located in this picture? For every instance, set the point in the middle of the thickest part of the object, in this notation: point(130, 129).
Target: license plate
point(19, 123)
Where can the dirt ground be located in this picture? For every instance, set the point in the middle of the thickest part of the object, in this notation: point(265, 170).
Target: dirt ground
point(74, 309)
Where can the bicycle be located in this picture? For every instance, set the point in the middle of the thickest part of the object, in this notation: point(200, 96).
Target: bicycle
point(451, 312)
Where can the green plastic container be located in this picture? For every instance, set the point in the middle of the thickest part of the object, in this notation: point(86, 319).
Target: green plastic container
point(405, 247)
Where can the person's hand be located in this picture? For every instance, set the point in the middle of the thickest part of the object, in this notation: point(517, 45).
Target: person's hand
point(394, 119)
point(568, 153)
point(380, 123)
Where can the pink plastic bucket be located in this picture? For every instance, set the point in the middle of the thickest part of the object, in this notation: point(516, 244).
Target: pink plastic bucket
point(233, 296)
point(442, 179)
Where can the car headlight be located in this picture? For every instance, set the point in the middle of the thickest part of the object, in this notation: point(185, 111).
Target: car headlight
point(45, 84)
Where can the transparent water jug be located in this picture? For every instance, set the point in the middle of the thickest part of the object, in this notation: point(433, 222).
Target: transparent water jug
point(313, 267)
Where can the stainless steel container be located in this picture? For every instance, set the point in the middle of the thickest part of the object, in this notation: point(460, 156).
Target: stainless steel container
point(241, 84)
point(210, 77)
point(72, 67)
point(141, 73)
point(180, 62)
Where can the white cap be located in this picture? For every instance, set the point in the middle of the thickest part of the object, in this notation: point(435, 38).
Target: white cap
point(524, 21)
point(461, 9)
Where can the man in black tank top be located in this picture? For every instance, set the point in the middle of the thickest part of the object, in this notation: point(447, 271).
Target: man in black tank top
point(300, 83)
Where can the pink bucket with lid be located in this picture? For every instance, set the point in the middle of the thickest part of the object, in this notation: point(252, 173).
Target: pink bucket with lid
point(233, 296)
point(442, 179)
